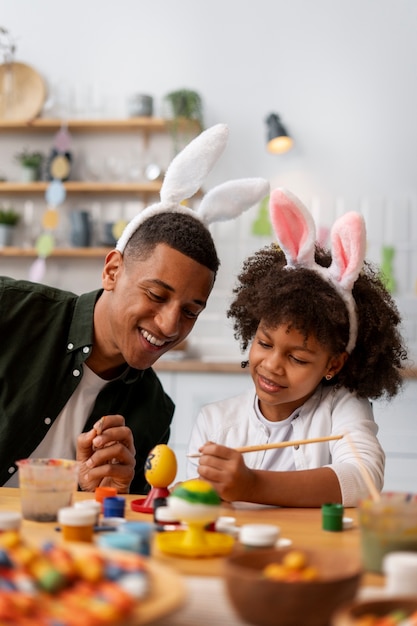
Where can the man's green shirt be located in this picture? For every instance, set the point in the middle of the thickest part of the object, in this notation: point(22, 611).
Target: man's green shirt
point(46, 334)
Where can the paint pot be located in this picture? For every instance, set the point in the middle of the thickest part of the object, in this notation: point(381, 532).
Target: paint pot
point(129, 542)
point(400, 570)
point(10, 520)
point(332, 517)
point(259, 535)
point(164, 519)
point(77, 524)
point(226, 524)
point(90, 504)
point(143, 531)
point(114, 506)
point(387, 525)
point(104, 492)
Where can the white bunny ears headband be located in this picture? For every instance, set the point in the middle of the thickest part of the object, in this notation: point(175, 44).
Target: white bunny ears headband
point(184, 177)
point(296, 234)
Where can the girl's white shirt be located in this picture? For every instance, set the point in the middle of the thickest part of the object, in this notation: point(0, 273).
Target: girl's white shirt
point(236, 422)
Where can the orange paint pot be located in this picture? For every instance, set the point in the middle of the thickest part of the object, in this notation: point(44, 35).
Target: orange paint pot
point(104, 492)
point(77, 524)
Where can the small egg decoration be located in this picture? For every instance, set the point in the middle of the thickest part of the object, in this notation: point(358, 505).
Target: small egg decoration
point(195, 500)
point(196, 503)
point(161, 466)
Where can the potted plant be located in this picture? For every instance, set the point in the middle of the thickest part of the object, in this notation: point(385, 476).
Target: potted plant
point(9, 218)
point(31, 164)
point(184, 104)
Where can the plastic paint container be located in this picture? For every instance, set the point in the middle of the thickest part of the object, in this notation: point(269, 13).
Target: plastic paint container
point(226, 524)
point(332, 517)
point(77, 524)
point(143, 531)
point(90, 505)
point(130, 542)
point(104, 492)
point(113, 522)
point(387, 525)
point(114, 506)
point(259, 535)
point(164, 520)
point(400, 569)
point(10, 520)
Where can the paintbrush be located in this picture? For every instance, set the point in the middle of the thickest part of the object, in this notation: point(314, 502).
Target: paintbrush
point(279, 444)
point(374, 493)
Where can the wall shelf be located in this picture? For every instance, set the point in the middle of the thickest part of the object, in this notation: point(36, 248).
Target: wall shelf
point(15, 252)
point(144, 124)
point(81, 186)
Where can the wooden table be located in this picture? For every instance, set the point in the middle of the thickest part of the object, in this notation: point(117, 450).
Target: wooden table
point(206, 601)
point(302, 526)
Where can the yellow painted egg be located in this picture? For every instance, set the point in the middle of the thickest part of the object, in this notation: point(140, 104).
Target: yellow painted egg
point(161, 466)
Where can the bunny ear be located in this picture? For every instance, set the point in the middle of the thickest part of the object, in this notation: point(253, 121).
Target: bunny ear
point(190, 167)
point(294, 228)
point(184, 178)
point(230, 199)
point(348, 246)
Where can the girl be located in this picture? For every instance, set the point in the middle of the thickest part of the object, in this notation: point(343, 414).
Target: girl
point(324, 339)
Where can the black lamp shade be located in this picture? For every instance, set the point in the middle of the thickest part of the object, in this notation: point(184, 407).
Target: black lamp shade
point(278, 139)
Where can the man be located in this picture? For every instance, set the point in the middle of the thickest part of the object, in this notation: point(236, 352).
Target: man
point(83, 364)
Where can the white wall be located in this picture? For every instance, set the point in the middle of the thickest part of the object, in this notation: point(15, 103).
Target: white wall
point(342, 73)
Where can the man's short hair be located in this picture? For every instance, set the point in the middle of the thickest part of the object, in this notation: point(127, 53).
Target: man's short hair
point(182, 232)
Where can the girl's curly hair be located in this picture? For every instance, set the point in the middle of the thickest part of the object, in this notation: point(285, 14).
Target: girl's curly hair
point(305, 301)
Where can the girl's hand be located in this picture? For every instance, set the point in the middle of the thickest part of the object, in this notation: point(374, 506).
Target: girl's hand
point(107, 455)
point(225, 469)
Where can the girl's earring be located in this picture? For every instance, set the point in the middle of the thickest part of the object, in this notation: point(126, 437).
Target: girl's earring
point(244, 364)
point(328, 376)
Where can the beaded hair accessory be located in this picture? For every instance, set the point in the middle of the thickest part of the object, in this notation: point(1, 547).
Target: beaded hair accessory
point(184, 177)
point(296, 233)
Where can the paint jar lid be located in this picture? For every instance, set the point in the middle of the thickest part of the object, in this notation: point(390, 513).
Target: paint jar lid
point(113, 521)
point(400, 562)
point(70, 516)
point(88, 504)
point(400, 570)
point(10, 520)
point(259, 535)
point(143, 529)
point(121, 541)
point(104, 492)
point(226, 524)
point(164, 515)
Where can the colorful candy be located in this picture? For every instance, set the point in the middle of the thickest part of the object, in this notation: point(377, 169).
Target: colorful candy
point(395, 618)
point(52, 585)
point(294, 567)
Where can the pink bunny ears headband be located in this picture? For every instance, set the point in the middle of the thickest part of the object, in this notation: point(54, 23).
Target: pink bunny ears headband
point(184, 177)
point(296, 234)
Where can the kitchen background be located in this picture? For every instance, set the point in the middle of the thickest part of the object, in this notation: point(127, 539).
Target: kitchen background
point(342, 74)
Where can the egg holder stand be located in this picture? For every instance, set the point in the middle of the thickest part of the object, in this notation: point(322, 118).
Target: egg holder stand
point(146, 505)
point(194, 540)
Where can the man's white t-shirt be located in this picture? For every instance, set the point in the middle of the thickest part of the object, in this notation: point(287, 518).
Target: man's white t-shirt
point(61, 439)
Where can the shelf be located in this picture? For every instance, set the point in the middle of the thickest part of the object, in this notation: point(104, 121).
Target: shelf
point(81, 186)
point(13, 251)
point(144, 124)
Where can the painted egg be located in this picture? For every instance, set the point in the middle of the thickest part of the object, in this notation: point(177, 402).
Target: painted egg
point(194, 500)
point(161, 466)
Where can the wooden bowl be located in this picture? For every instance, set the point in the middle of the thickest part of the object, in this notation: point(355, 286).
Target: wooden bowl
point(265, 602)
point(347, 615)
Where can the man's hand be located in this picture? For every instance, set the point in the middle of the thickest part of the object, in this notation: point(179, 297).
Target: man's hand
point(107, 455)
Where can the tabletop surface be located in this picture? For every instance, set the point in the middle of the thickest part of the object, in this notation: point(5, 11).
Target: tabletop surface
point(302, 526)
